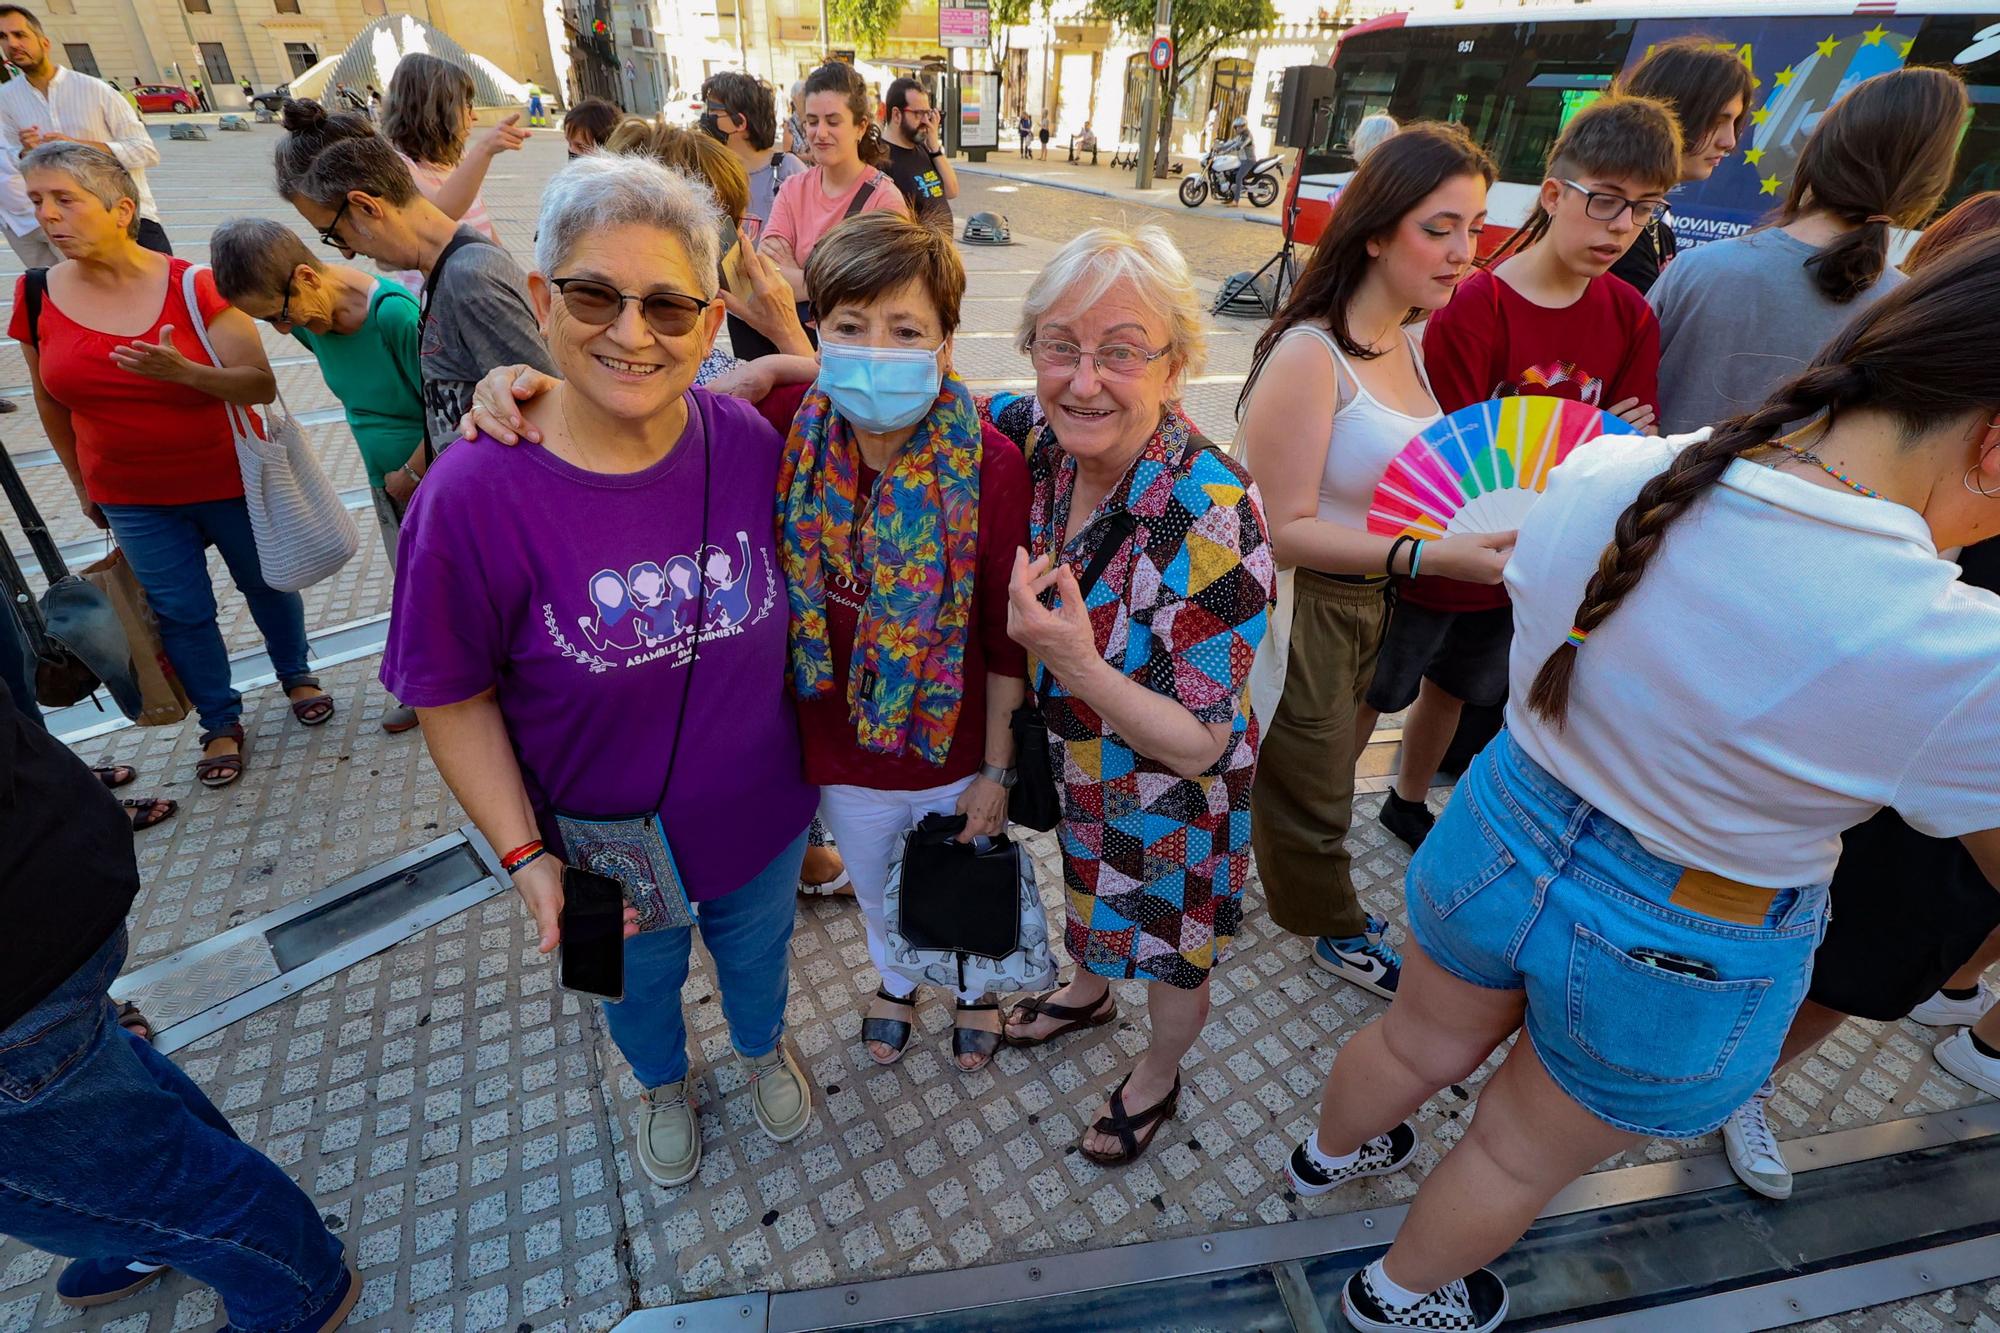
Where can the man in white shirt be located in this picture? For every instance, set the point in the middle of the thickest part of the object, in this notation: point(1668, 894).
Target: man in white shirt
point(50, 102)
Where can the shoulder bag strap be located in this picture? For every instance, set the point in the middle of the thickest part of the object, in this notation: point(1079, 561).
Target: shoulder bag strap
point(863, 195)
point(37, 290)
point(239, 417)
point(458, 242)
point(1121, 526)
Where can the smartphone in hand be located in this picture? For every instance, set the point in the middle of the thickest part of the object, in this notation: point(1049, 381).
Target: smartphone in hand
point(593, 934)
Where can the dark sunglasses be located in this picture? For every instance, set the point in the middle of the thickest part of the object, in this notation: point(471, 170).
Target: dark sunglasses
point(330, 233)
point(668, 314)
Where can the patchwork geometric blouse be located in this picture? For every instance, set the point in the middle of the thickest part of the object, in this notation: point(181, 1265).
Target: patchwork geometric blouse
point(1154, 864)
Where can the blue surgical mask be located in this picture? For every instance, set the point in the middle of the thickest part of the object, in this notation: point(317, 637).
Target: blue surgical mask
point(879, 389)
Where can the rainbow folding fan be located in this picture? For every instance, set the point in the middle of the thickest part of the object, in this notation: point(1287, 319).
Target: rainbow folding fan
point(1480, 468)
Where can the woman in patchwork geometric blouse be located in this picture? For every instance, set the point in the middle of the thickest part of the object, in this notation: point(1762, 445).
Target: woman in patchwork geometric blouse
point(1143, 677)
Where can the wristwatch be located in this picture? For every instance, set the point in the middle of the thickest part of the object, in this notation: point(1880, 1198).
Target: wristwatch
point(1006, 777)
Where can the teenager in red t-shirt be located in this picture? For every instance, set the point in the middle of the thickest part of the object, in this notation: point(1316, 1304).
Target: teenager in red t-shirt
point(139, 415)
point(1550, 319)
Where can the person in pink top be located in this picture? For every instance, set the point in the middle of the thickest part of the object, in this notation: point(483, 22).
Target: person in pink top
point(842, 182)
point(428, 117)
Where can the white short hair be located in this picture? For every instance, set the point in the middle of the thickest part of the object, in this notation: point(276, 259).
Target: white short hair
point(1372, 132)
point(613, 189)
point(1098, 260)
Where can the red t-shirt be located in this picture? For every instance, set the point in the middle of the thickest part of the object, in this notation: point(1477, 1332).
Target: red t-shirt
point(831, 756)
point(139, 441)
point(1493, 342)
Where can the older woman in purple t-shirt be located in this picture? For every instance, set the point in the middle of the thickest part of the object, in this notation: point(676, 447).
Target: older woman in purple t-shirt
point(595, 625)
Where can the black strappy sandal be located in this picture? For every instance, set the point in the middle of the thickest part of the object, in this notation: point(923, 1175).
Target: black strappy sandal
point(1073, 1018)
point(973, 1041)
point(891, 1032)
point(1129, 1127)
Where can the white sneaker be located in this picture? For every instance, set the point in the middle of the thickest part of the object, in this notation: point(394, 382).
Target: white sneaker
point(1962, 1059)
point(1753, 1150)
point(1941, 1011)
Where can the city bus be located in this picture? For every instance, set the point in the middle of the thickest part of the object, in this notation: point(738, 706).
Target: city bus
point(1514, 77)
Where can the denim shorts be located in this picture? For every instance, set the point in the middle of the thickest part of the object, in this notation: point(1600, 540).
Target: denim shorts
point(1525, 886)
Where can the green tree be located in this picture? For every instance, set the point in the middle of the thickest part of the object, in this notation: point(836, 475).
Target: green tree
point(866, 23)
point(1198, 28)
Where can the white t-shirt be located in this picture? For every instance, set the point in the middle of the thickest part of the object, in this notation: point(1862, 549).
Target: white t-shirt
point(1795, 658)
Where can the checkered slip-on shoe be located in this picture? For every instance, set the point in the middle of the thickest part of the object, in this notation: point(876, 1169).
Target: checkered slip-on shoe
point(1475, 1303)
point(1382, 1155)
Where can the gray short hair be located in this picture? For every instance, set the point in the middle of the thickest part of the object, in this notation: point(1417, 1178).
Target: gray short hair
point(1372, 132)
point(613, 189)
point(95, 172)
point(1095, 262)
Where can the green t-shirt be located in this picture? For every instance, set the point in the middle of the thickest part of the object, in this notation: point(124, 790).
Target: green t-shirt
point(374, 371)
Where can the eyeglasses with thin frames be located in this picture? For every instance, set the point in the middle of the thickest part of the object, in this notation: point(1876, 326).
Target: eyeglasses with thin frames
point(668, 314)
point(1602, 207)
point(1121, 361)
point(330, 233)
point(284, 315)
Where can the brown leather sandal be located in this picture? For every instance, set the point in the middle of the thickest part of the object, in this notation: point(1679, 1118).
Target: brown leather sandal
point(146, 811)
point(1040, 1006)
point(135, 1022)
point(115, 775)
point(314, 709)
point(219, 770)
point(1128, 1128)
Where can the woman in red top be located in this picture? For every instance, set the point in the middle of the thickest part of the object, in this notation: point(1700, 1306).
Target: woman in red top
point(136, 411)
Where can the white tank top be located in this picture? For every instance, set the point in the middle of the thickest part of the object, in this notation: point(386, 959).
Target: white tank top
point(1366, 435)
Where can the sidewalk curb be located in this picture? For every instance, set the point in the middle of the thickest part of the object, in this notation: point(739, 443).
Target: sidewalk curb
point(1168, 205)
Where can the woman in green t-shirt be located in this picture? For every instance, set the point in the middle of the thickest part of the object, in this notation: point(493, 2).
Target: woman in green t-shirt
point(363, 331)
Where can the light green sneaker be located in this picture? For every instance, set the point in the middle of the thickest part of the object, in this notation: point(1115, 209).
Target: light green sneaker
point(780, 1094)
point(669, 1139)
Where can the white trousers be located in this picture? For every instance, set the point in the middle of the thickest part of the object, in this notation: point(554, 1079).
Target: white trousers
point(868, 827)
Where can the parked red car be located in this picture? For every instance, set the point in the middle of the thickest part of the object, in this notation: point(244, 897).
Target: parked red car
point(166, 97)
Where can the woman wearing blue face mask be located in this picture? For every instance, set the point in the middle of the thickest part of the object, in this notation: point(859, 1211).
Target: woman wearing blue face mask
point(899, 512)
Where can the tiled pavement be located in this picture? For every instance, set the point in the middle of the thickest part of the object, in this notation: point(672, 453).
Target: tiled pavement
point(464, 1123)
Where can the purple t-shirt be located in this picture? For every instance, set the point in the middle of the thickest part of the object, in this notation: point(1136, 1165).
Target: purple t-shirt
point(575, 596)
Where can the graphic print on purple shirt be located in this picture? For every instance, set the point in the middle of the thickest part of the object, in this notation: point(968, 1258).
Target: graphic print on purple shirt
point(572, 595)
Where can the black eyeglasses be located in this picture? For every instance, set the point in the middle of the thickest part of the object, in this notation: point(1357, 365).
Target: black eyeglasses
point(1602, 207)
point(668, 314)
point(330, 233)
point(284, 315)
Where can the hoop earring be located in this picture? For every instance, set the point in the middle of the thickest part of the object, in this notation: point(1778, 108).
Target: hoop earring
point(1980, 491)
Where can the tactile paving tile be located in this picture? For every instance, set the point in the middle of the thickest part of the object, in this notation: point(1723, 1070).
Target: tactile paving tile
point(1974, 1308)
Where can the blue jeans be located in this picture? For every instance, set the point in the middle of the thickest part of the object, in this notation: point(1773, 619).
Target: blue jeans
point(1243, 168)
point(748, 934)
point(108, 1150)
point(167, 545)
point(1525, 886)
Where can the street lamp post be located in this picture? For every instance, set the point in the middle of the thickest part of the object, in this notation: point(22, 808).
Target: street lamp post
point(1163, 18)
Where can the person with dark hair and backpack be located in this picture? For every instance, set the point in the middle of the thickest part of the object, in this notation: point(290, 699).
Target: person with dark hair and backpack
point(1731, 647)
point(356, 190)
point(1709, 89)
point(1738, 316)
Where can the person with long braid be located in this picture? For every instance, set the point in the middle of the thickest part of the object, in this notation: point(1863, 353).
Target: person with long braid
point(1730, 646)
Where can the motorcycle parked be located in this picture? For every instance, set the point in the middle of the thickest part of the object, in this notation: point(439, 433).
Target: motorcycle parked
point(1217, 176)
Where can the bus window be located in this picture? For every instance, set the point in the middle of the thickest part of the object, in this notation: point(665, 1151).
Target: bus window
point(1545, 105)
point(1943, 39)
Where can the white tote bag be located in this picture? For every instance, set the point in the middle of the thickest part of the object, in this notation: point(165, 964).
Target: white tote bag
point(303, 532)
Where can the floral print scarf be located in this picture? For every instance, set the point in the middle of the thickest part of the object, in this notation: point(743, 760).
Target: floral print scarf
point(913, 545)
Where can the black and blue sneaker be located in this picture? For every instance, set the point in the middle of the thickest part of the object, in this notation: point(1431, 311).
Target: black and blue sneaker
point(88, 1282)
point(1367, 960)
